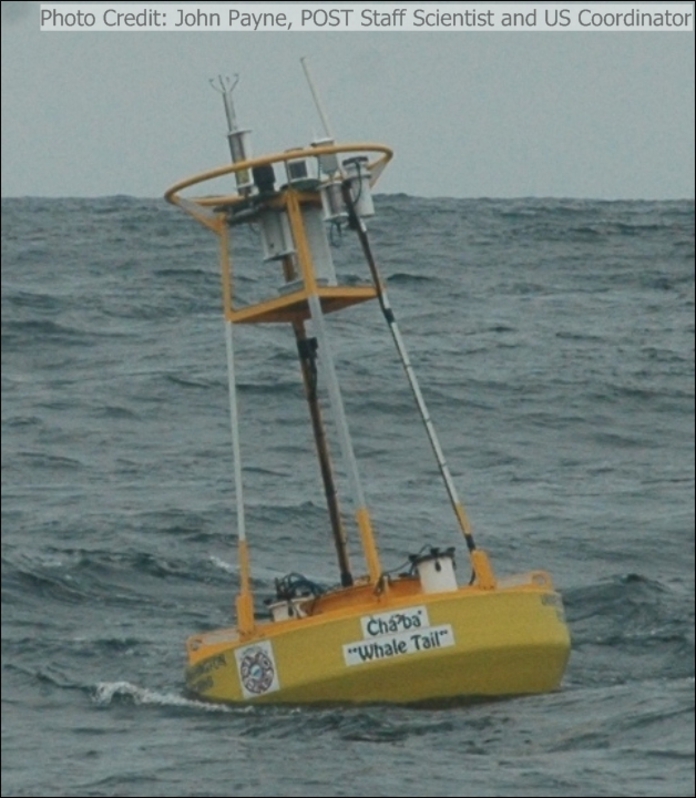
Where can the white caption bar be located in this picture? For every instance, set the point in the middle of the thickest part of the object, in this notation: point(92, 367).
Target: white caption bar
point(381, 17)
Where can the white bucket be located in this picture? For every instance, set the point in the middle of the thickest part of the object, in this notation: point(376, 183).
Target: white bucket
point(436, 571)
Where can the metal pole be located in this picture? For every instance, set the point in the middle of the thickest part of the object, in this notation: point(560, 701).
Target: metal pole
point(357, 223)
point(245, 600)
point(234, 426)
point(339, 412)
point(304, 257)
point(306, 349)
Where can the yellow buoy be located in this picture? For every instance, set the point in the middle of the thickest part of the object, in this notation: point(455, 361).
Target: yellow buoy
point(376, 637)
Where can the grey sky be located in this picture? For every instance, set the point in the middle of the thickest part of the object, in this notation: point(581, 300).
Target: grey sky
point(601, 115)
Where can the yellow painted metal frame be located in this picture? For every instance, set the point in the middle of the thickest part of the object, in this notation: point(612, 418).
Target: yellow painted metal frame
point(211, 211)
point(199, 207)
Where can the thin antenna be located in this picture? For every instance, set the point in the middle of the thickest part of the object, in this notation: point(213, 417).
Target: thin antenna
point(317, 101)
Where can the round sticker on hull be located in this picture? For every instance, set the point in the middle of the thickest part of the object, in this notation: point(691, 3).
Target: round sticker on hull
point(257, 669)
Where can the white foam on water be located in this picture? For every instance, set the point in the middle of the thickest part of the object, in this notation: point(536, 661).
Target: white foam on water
point(106, 692)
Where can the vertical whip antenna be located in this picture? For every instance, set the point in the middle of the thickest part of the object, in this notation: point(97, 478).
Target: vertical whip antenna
point(317, 101)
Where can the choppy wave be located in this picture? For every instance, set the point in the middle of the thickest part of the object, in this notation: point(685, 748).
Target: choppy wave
point(554, 343)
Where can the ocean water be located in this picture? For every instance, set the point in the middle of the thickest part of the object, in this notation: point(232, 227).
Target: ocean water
point(554, 342)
